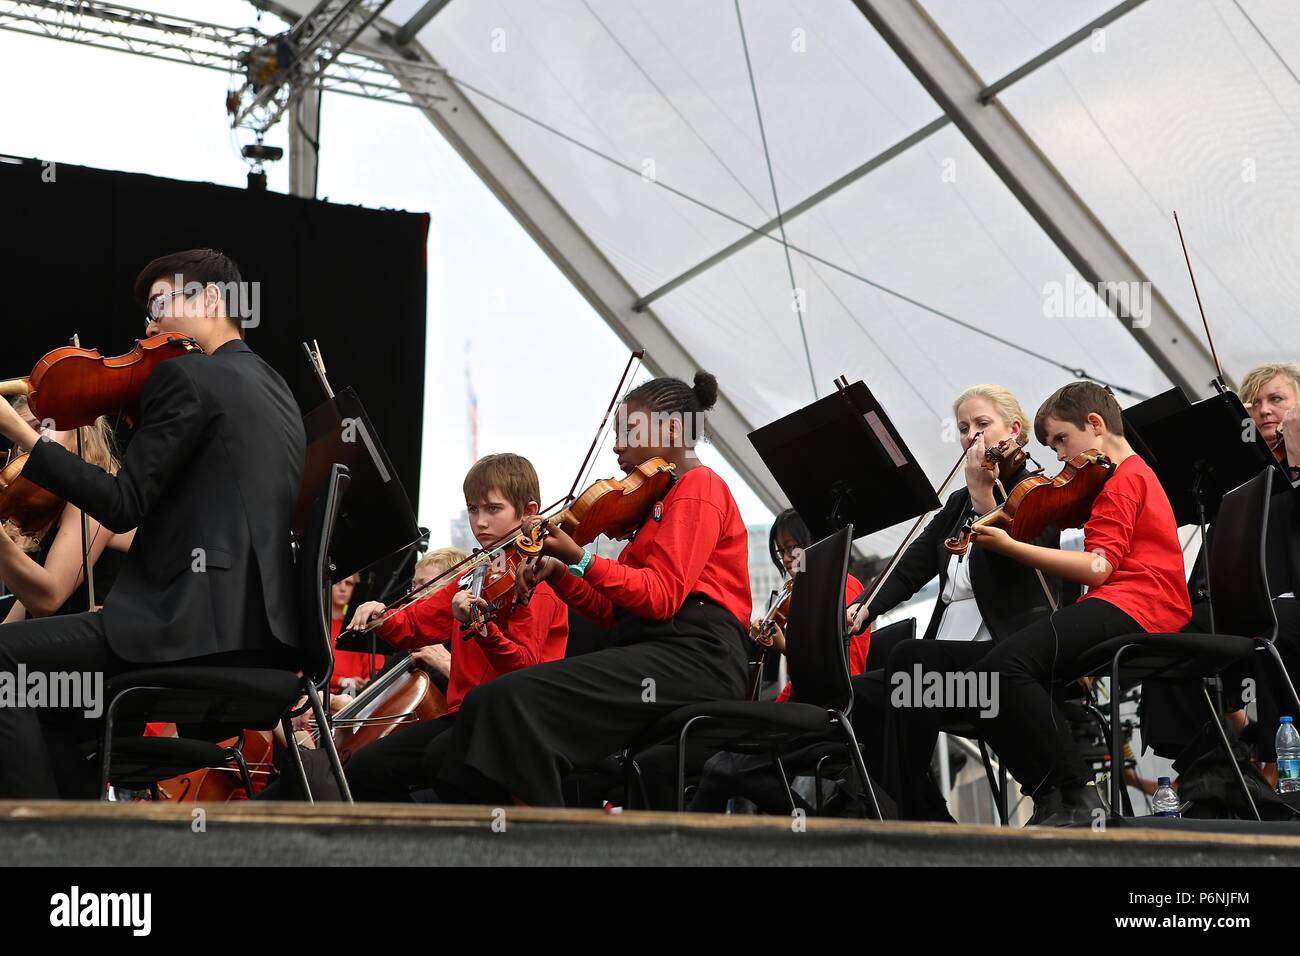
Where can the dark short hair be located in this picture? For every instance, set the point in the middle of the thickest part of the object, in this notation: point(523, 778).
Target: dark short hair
point(1073, 403)
point(788, 522)
point(192, 265)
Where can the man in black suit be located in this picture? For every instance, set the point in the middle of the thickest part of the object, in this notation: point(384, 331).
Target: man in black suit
point(209, 482)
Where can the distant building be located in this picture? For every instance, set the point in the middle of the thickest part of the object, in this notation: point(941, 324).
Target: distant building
point(764, 578)
point(461, 537)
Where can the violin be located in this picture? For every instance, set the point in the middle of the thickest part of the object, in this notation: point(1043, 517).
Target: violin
point(29, 507)
point(1038, 502)
point(494, 579)
point(614, 507)
point(1008, 455)
point(778, 615)
point(72, 386)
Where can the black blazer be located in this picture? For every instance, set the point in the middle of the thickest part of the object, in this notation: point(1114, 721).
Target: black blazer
point(209, 481)
point(1008, 593)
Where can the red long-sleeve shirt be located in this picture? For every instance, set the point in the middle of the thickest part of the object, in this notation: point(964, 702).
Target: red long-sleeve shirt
point(350, 663)
point(859, 644)
point(1132, 526)
point(693, 542)
point(528, 634)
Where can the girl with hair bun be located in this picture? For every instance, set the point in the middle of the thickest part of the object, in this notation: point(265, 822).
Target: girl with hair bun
point(675, 605)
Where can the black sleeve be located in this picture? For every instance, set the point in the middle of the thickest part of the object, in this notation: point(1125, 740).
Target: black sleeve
point(172, 421)
point(921, 561)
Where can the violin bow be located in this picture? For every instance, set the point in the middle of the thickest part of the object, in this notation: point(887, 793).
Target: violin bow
point(585, 468)
point(1219, 383)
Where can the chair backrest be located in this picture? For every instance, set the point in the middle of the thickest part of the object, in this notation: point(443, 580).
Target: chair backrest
point(314, 581)
point(891, 634)
point(1238, 567)
point(816, 646)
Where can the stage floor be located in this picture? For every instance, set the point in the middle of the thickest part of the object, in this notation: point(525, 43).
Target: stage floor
point(145, 834)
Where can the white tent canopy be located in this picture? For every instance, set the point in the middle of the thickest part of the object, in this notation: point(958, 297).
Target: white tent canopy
point(625, 135)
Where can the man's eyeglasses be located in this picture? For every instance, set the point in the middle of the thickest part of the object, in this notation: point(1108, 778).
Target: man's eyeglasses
point(157, 304)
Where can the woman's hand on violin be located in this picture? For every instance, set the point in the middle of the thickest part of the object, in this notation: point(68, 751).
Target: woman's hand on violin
point(556, 543)
point(366, 614)
point(980, 475)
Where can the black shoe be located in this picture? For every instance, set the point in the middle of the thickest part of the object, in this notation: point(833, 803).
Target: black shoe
point(1047, 806)
point(1073, 807)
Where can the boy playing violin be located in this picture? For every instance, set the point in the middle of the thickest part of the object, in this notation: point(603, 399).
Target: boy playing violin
point(1132, 565)
point(499, 491)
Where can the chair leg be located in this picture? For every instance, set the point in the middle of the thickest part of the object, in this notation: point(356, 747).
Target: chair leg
point(1104, 726)
point(997, 784)
point(785, 782)
point(858, 763)
point(106, 749)
point(627, 778)
point(287, 726)
point(327, 741)
point(817, 784)
point(681, 762)
point(1217, 721)
point(1117, 787)
point(238, 756)
point(1004, 793)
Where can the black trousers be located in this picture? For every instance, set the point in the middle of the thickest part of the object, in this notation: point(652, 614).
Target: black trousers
point(1029, 733)
point(41, 749)
point(755, 777)
point(904, 734)
point(393, 766)
point(519, 735)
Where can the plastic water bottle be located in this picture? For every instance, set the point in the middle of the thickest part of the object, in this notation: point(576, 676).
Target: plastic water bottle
point(1288, 756)
point(1165, 802)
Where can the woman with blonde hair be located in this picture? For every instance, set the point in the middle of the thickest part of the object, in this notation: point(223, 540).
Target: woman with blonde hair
point(983, 597)
point(43, 567)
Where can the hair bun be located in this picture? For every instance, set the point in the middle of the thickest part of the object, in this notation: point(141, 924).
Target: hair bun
point(706, 390)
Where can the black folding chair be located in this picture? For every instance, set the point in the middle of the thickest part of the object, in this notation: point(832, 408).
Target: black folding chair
point(233, 698)
point(817, 654)
point(1245, 623)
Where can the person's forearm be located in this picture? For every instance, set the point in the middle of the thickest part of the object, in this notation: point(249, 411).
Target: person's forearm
point(982, 500)
point(30, 583)
point(1078, 567)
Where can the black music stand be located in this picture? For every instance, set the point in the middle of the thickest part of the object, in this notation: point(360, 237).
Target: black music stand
point(376, 521)
point(1199, 453)
point(841, 461)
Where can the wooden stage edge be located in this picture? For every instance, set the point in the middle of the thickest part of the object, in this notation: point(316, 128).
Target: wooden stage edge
point(619, 825)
